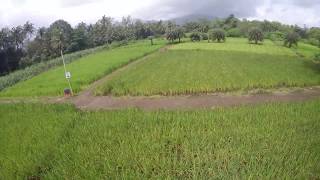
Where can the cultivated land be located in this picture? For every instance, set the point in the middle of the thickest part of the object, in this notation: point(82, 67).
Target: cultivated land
point(59, 142)
point(270, 141)
point(193, 68)
point(84, 71)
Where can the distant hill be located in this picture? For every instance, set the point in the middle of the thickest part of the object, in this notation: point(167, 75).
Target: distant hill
point(191, 17)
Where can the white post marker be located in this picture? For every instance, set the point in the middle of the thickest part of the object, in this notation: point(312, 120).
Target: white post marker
point(67, 74)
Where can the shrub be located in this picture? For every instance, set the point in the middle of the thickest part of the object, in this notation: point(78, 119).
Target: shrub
point(217, 35)
point(204, 36)
point(234, 32)
point(195, 36)
point(276, 36)
point(290, 39)
point(317, 57)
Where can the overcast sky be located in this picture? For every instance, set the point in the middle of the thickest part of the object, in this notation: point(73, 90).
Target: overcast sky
point(44, 12)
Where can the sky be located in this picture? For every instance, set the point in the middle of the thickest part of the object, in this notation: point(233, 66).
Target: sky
point(44, 12)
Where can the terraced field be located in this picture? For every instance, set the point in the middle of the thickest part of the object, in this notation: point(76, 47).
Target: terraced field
point(84, 71)
point(59, 142)
point(192, 68)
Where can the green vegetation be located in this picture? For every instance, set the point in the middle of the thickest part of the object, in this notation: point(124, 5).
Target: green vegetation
point(306, 50)
point(237, 44)
point(84, 71)
point(290, 39)
point(268, 141)
point(217, 35)
point(195, 36)
point(180, 71)
point(28, 137)
point(31, 71)
point(255, 35)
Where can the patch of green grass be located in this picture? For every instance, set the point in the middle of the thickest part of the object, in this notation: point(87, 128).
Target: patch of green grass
point(303, 49)
point(306, 50)
point(237, 44)
point(276, 141)
point(203, 71)
point(84, 71)
point(28, 137)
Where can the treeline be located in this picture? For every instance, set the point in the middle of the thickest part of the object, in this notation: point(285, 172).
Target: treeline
point(235, 27)
point(25, 45)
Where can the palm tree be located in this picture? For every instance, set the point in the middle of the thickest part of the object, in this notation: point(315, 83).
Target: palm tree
point(256, 35)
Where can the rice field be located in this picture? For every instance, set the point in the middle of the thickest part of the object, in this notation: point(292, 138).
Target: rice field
point(239, 45)
point(84, 71)
point(275, 141)
point(193, 68)
point(307, 50)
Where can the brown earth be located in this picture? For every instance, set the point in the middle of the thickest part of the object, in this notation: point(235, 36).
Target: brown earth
point(88, 102)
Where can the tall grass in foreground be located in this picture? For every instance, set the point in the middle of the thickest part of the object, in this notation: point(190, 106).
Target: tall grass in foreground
point(276, 141)
point(84, 71)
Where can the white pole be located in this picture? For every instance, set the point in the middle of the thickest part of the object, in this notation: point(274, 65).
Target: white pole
point(65, 72)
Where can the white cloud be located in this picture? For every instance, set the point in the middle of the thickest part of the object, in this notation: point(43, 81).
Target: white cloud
point(296, 12)
point(42, 13)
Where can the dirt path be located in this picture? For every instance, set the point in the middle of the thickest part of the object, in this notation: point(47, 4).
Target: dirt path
point(192, 102)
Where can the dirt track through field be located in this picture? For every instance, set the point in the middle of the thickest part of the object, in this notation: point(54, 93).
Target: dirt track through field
point(89, 102)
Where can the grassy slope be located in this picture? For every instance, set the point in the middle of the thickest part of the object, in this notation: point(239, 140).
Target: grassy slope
point(303, 49)
point(84, 71)
point(307, 50)
point(202, 67)
point(269, 141)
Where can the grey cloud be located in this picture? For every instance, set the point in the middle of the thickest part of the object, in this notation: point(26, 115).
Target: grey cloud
point(73, 3)
point(306, 3)
point(216, 8)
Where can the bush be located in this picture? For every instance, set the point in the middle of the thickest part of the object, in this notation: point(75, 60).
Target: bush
point(317, 57)
point(276, 36)
point(291, 38)
point(204, 36)
point(195, 36)
point(312, 41)
point(234, 32)
point(217, 35)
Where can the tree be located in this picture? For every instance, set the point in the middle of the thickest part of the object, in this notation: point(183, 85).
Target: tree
point(256, 35)
point(217, 35)
point(290, 39)
point(102, 31)
point(60, 35)
point(315, 34)
point(142, 31)
point(151, 39)
point(179, 33)
point(302, 32)
point(79, 39)
point(195, 36)
point(171, 32)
